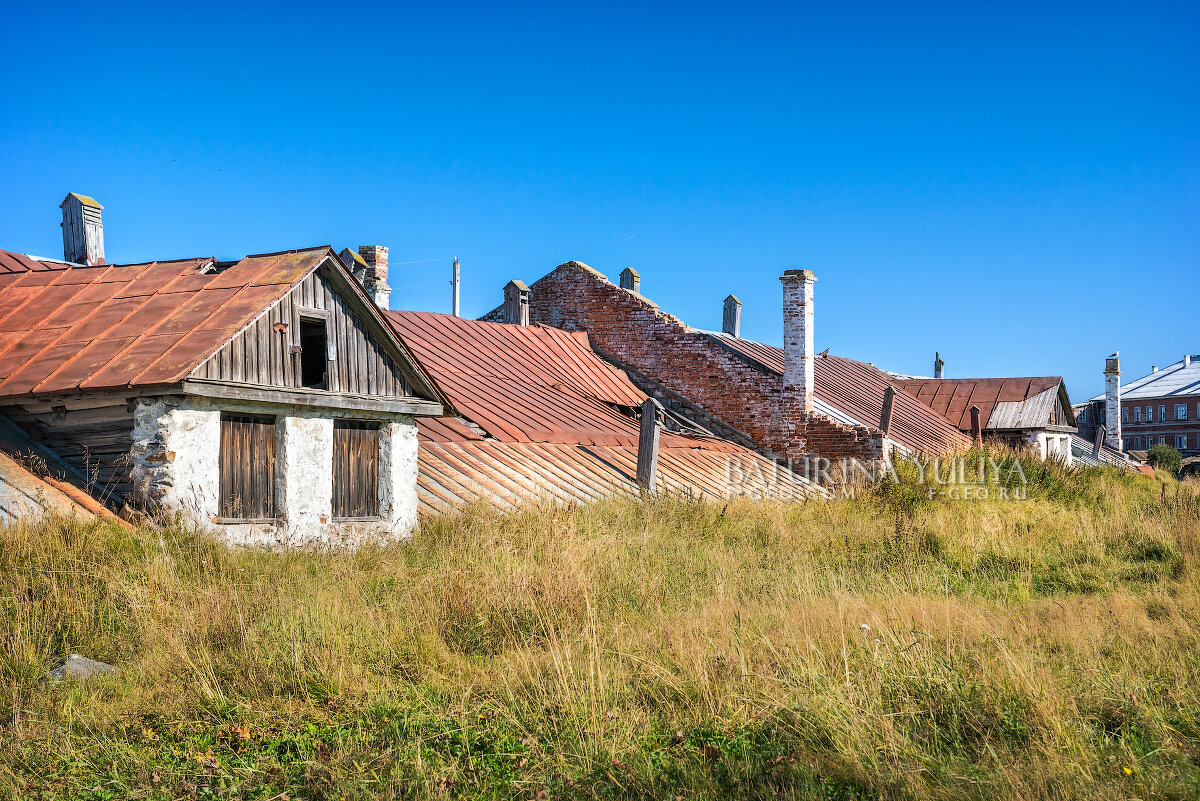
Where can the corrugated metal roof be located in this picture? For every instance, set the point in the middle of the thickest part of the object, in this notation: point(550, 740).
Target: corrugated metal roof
point(509, 475)
point(1175, 380)
point(854, 390)
point(544, 418)
point(1081, 451)
point(525, 383)
point(954, 397)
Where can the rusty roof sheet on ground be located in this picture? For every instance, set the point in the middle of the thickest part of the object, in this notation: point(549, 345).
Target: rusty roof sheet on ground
point(69, 327)
point(954, 397)
point(513, 474)
point(526, 383)
point(855, 389)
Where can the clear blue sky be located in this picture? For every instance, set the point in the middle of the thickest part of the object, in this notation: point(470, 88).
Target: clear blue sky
point(1017, 187)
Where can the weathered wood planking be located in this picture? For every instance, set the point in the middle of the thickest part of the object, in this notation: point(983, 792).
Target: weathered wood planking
point(355, 469)
point(262, 354)
point(247, 467)
point(94, 439)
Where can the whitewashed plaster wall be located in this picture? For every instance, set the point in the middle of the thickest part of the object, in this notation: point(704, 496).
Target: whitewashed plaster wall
point(176, 465)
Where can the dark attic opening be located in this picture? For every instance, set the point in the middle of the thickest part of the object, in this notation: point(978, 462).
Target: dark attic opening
point(314, 349)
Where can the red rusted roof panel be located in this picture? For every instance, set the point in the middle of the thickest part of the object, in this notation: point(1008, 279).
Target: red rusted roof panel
point(523, 384)
point(68, 326)
point(954, 397)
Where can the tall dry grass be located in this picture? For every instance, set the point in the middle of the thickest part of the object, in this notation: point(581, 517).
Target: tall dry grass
point(884, 647)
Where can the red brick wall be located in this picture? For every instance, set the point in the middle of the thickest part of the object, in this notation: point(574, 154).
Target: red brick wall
point(635, 333)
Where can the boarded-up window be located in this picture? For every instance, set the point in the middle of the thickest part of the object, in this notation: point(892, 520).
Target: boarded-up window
point(355, 469)
point(247, 467)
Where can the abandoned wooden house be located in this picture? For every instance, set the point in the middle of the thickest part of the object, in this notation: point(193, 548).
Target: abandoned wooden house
point(267, 398)
point(782, 402)
point(541, 417)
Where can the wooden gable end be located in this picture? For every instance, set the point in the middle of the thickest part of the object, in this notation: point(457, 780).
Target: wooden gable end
point(268, 353)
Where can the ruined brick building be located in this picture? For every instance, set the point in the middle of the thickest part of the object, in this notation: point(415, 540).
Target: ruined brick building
point(785, 402)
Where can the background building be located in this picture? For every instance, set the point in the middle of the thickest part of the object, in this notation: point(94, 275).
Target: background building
point(1162, 406)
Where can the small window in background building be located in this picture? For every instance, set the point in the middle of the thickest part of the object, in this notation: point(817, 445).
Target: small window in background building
point(1124, 414)
point(247, 467)
point(1137, 414)
point(355, 469)
point(1181, 411)
point(1149, 414)
point(1137, 443)
point(1162, 413)
point(314, 354)
point(1162, 440)
point(1180, 441)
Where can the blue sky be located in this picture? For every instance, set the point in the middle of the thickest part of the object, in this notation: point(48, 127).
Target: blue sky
point(1016, 186)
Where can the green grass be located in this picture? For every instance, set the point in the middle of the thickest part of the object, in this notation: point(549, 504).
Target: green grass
point(1039, 649)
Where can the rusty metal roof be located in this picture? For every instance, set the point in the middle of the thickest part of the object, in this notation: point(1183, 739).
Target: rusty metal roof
point(511, 474)
point(545, 418)
point(855, 389)
point(66, 327)
point(1016, 400)
point(524, 383)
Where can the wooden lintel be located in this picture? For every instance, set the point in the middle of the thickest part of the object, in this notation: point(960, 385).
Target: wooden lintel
point(320, 399)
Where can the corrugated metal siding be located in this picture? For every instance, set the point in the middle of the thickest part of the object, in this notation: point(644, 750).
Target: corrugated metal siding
point(1032, 412)
point(510, 475)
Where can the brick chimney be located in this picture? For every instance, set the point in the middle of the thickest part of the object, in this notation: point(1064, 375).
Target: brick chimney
point(375, 275)
point(731, 319)
point(631, 280)
point(1112, 401)
point(797, 356)
point(516, 303)
point(82, 230)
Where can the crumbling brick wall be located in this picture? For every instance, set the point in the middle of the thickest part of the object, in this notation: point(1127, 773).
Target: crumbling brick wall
point(679, 365)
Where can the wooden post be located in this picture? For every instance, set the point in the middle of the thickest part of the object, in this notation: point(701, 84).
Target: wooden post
point(885, 419)
point(1101, 433)
point(647, 461)
point(976, 432)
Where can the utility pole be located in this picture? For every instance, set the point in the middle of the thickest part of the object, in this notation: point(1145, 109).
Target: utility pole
point(454, 284)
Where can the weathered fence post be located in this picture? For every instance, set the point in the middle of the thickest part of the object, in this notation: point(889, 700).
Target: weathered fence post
point(647, 459)
point(976, 432)
point(885, 419)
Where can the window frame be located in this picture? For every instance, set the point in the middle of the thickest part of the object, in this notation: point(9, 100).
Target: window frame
point(1181, 441)
point(310, 315)
point(1181, 411)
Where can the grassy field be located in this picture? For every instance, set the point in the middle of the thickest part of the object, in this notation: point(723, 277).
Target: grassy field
point(883, 647)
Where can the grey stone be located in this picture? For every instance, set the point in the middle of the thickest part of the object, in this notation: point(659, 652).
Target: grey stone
point(80, 667)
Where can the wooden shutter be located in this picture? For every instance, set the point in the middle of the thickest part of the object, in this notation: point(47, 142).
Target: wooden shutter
point(355, 469)
point(247, 467)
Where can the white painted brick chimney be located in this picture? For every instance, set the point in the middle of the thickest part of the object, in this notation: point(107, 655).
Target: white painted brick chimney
point(1112, 401)
point(798, 336)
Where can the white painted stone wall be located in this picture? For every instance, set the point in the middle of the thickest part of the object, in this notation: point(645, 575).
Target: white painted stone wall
point(176, 453)
point(1050, 444)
